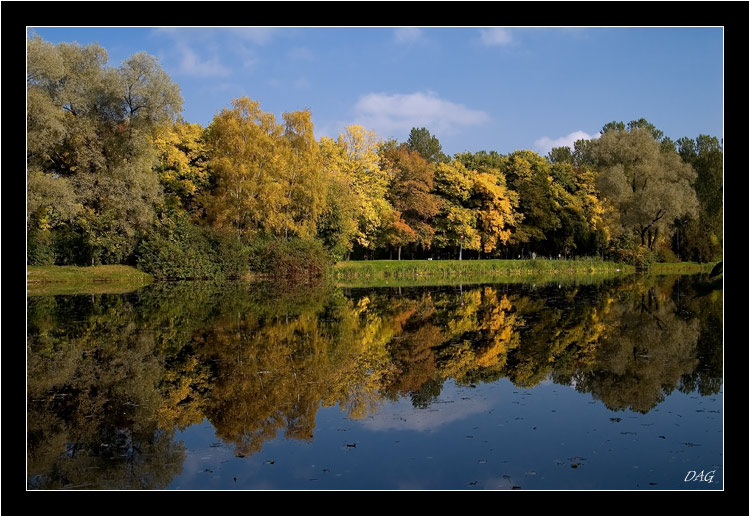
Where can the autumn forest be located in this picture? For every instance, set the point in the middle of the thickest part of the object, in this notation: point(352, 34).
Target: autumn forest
point(116, 176)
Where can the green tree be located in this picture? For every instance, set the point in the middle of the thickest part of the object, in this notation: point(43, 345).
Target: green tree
point(528, 174)
point(89, 131)
point(701, 237)
point(649, 187)
point(428, 146)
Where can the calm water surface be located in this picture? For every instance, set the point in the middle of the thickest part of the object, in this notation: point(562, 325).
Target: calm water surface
point(614, 384)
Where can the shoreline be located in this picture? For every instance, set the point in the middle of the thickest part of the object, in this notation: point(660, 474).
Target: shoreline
point(121, 278)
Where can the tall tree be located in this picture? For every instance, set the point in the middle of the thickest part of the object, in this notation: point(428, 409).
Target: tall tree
point(702, 236)
point(182, 171)
point(410, 192)
point(90, 129)
point(338, 224)
point(428, 146)
point(528, 173)
point(246, 166)
point(649, 187)
point(358, 159)
point(496, 215)
point(456, 224)
point(302, 176)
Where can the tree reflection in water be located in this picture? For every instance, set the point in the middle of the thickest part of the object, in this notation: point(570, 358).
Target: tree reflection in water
point(111, 378)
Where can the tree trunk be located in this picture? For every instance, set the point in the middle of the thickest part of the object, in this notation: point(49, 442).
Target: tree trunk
point(399, 252)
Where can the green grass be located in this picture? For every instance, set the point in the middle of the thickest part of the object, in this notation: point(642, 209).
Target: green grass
point(665, 268)
point(46, 280)
point(474, 279)
point(453, 269)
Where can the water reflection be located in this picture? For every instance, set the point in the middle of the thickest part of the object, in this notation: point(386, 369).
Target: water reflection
point(111, 378)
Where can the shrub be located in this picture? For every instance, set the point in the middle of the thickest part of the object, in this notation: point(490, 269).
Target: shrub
point(295, 259)
point(40, 249)
point(230, 254)
point(178, 249)
point(627, 250)
point(665, 254)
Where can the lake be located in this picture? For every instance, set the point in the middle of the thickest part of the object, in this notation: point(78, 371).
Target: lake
point(579, 385)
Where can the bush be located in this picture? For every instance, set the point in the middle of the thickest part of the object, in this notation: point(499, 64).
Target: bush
point(665, 254)
point(40, 249)
point(294, 259)
point(230, 254)
point(178, 249)
point(628, 251)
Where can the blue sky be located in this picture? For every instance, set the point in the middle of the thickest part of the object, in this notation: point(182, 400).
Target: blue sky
point(474, 88)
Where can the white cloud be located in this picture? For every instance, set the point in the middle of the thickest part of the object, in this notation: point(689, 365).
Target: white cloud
point(398, 113)
point(191, 45)
point(546, 144)
point(259, 35)
point(301, 53)
point(192, 64)
point(496, 36)
point(403, 417)
point(408, 35)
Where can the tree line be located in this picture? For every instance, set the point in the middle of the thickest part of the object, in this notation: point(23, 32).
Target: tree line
point(115, 175)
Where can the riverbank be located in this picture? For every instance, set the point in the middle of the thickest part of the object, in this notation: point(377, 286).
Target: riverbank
point(382, 269)
point(680, 268)
point(46, 280)
point(84, 280)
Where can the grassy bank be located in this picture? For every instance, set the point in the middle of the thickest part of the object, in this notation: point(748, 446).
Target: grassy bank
point(386, 269)
point(477, 279)
point(680, 268)
point(44, 280)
